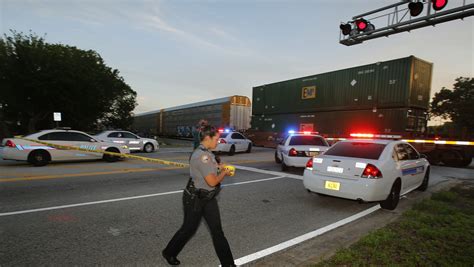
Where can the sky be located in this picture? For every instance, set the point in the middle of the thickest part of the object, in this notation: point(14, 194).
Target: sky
point(179, 52)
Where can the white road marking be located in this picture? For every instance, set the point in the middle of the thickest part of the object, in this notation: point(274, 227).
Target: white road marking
point(302, 238)
point(255, 181)
point(245, 168)
point(87, 203)
point(122, 199)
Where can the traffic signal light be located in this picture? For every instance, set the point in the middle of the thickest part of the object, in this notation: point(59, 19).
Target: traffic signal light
point(439, 4)
point(361, 24)
point(415, 8)
point(345, 28)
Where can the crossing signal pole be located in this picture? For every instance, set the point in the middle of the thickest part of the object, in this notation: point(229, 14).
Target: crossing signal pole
point(404, 16)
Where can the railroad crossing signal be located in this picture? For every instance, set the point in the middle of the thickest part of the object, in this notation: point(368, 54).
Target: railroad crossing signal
point(402, 18)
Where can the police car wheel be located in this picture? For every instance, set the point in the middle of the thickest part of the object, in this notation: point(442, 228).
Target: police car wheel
point(39, 158)
point(393, 197)
point(110, 158)
point(232, 150)
point(249, 148)
point(277, 160)
point(426, 181)
point(148, 148)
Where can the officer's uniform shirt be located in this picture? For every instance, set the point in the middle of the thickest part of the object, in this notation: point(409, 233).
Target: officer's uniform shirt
point(202, 163)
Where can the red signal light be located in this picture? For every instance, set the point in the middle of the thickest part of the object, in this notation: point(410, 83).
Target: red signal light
point(361, 24)
point(371, 171)
point(439, 4)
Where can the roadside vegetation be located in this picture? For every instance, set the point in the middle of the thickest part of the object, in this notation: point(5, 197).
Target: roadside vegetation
point(437, 232)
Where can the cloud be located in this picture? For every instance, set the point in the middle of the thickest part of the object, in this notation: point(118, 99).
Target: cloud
point(141, 15)
point(154, 21)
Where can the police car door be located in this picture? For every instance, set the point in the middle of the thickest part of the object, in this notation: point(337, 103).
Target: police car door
point(115, 137)
point(132, 141)
point(419, 171)
point(238, 140)
point(406, 167)
point(57, 138)
point(85, 142)
point(281, 147)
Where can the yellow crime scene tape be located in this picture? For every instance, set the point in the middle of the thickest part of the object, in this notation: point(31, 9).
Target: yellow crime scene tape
point(438, 142)
point(160, 161)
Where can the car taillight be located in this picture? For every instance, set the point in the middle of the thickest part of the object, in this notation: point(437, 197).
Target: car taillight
point(371, 171)
point(292, 152)
point(309, 164)
point(222, 141)
point(10, 143)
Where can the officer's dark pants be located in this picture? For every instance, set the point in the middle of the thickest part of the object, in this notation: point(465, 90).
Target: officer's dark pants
point(192, 218)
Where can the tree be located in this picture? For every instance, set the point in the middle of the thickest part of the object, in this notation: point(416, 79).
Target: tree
point(38, 78)
point(457, 104)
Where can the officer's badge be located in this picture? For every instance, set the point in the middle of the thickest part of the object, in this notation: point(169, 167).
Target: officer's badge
point(205, 158)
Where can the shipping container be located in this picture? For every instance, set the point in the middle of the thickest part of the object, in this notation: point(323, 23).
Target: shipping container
point(233, 112)
point(403, 82)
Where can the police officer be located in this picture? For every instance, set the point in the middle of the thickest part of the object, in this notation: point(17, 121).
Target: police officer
point(199, 201)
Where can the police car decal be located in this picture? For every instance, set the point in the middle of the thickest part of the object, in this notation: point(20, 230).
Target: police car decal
point(89, 147)
point(416, 170)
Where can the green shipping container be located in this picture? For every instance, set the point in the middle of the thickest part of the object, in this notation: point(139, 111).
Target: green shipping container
point(403, 82)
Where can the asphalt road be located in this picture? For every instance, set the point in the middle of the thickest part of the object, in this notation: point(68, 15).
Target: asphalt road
point(124, 213)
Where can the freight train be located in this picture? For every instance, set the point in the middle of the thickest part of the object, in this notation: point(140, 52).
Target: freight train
point(230, 112)
point(389, 97)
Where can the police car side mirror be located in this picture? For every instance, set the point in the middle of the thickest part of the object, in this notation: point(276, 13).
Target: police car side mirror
point(92, 140)
point(423, 156)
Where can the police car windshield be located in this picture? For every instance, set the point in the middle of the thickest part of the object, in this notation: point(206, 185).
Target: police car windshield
point(223, 135)
point(356, 150)
point(307, 140)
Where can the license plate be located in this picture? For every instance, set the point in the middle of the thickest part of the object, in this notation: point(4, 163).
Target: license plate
point(313, 153)
point(332, 185)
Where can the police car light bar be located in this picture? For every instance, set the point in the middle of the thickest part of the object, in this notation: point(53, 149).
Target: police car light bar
point(369, 135)
point(304, 132)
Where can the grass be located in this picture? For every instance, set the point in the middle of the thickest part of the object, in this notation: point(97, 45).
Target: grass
point(436, 232)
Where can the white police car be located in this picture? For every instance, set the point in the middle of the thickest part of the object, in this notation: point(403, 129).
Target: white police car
point(368, 170)
point(231, 142)
point(296, 148)
point(133, 141)
point(40, 154)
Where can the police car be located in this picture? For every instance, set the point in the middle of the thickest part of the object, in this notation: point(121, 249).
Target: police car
point(368, 170)
point(297, 147)
point(133, 141)
point(40, 154)
point(231, 142)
